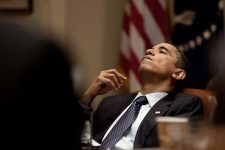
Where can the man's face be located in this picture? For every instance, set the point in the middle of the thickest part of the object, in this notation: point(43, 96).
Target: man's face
point(159, 60)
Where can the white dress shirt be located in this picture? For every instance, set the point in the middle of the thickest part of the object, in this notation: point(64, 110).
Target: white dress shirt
point(127, 141)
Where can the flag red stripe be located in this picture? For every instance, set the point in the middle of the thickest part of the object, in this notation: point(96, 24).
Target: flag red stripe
point(137, 20)
point(134, 65)
point(124, 63)
point(126, 23)
point(159, 15)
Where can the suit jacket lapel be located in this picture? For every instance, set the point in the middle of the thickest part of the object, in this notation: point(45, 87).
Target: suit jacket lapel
point(124, 101)
point(159, 109)
point(99, 127)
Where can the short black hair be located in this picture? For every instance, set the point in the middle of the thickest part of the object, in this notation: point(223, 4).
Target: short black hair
point(182, 61)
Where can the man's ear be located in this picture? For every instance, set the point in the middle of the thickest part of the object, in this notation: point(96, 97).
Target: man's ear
point(179, 74)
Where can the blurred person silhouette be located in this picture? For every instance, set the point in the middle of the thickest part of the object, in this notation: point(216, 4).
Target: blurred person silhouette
point(211, 136)
point(216, 132)
point(219, 86)
point(217, 83)
point(38, 106)
point(162, 68)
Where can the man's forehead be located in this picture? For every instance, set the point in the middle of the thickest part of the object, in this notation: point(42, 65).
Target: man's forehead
point(168, 46)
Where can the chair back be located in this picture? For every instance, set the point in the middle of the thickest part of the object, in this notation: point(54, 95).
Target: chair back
point(208, 99)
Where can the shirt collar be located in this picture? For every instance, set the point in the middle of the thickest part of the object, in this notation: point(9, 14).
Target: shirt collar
point(153, 98)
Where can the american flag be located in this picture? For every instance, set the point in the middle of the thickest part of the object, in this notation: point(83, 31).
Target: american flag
point(145, 24)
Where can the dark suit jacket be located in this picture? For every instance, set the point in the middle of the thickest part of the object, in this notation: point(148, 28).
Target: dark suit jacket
point(179, 105)
point(38, 106)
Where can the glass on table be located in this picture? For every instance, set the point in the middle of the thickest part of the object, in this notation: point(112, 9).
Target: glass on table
point(173, 132)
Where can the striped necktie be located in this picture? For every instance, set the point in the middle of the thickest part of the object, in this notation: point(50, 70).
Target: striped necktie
point(124, 123)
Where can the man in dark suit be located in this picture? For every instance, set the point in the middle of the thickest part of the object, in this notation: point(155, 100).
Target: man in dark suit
point(161, 68)
point(38, 106)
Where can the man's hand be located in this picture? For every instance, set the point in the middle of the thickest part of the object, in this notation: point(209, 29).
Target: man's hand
point(105, 82)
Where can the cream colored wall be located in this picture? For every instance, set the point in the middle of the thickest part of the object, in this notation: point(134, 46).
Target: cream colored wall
point(90, 29)
point(93, 28)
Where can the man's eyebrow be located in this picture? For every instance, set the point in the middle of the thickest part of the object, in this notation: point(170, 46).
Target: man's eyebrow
point(163, 47)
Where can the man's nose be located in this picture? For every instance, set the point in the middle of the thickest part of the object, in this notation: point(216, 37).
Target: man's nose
point(150, 52)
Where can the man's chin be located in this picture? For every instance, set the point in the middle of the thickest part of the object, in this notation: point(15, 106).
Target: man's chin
point(144, 68)
point(143, 71)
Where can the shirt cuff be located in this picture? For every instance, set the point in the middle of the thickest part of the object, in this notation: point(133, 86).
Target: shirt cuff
point(86, 109)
